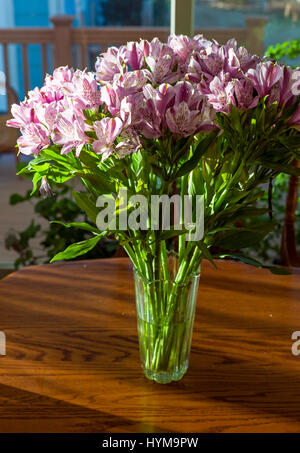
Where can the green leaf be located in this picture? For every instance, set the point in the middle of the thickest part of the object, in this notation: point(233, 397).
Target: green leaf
point(254, 262)
point(201, 148)
point(277, 270)
point(84, 201)
point(23, 168)
point(81, 225)
point(101, 185)
point(206, 253)
point(172, 232)
point(284, 168)
point(196, 182)
point(35, 180)
point(80, 248)
point(235, 117)
point(16, 198)
point(243, 237)
point(92, 116)
point(64, 160)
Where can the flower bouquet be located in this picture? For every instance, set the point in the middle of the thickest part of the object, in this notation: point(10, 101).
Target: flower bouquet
point(173, 143)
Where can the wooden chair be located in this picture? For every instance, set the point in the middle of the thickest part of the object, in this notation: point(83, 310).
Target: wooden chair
point(8, 136)
point(288, 253)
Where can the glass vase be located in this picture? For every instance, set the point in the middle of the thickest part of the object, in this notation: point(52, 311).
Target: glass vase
point(165, 319)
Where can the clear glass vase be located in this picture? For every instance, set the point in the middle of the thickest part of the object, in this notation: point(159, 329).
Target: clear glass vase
point(165, 319)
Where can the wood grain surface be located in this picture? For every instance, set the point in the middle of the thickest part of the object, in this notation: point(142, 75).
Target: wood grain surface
point(72, 361)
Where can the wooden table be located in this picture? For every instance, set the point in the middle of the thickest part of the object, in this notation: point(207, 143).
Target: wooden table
point(72, 361)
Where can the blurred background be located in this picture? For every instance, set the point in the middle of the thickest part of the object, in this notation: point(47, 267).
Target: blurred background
point(37, 35)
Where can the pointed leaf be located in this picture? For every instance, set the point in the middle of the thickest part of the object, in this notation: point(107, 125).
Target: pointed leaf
point(80, 248)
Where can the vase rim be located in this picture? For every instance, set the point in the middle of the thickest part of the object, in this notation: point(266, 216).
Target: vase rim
point(193, 275)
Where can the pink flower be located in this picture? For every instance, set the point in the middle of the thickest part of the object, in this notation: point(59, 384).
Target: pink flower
point(34, 138)
point(45, 189)
point(70, 132)
point(287, 94)
point(110, 98)
point(211, 60)
point(182, 46)
point(150, 124)
point(129, 143)
point(190, 113)
point(110, 63)
point(130, 109)
point(85, 92)
point(200, 43)
point(183, 121)
point(134, 56)
point(162, 63)
point(206, 63)
point(267, 79)
point(187, 92)
point(220, 93)
point(224, 92)
point(107, 130)
point(295, 120)
point(144, 47)
point(246, 60)
point(130, 82)
point(123, 87)
point(23, 114)
point(47, 114)
point(244, 96)
point(60, 84)
point(161, 69)
point(163, 97)
point(60, 76)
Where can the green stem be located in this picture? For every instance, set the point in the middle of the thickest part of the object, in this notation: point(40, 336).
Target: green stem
point(181, 239)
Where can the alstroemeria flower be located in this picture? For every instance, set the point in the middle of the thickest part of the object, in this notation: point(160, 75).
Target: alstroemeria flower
point(134, 56)
point(224, 91)
point(110, 98)
point(110, 63)
point(107, 130)
point(130, 143)
point(214, 59)
point(184, 122)
point(130, 109)
point(267, 79)
point(190, 113)
point(47, 114)
point(60, 76)
point(163, 97)
point(34, 138)
point(162, 63)
point(60, 82)
point(86, 93)
point(45, 188)
point(295, 120)
point(182, 46)
point(130, 82)
point(23, 114)
point(161, 69)
point(151, 120)
point(206, 63)
point(70, 132)
point(150, 89)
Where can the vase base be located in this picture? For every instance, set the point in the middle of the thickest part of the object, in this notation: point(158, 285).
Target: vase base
point(165, 378)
